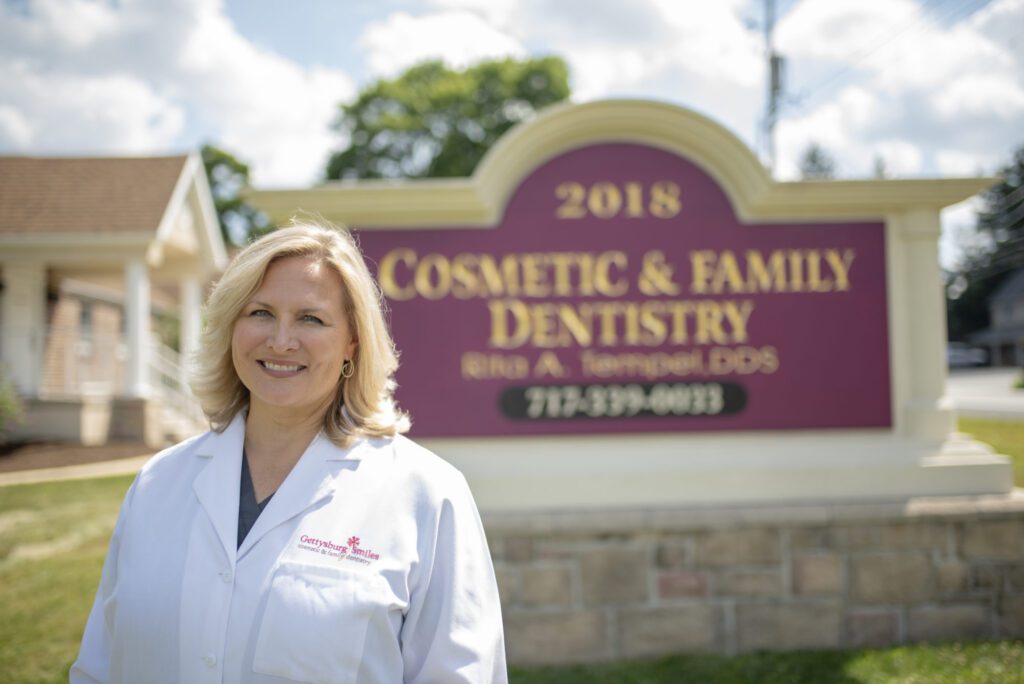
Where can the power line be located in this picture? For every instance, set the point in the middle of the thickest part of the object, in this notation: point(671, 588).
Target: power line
point(917, 18)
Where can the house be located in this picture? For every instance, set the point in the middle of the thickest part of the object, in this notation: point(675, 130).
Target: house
point(103, 265)
point(1004, 339)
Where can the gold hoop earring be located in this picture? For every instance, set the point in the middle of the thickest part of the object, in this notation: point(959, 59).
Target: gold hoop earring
point(347, 369)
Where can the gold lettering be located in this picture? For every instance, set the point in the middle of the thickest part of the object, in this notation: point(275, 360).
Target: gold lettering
point(701, 264)
point(603, 281)
point(435, 287)
point(548, 364)
point(815, 281)
point(573, 323)
point(738, 315)
point(840, 264)
point(501, 337)
point(656, 275)
point(388, 283)
point(766, 278)
point(727, 270)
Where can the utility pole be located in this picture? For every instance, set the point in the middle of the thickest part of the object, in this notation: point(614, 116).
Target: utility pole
point(776, 65)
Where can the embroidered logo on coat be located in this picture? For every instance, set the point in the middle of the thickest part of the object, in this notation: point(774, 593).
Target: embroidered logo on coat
point(349, 551)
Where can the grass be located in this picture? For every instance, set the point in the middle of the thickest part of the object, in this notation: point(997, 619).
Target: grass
point(1006, 437)
point(53, 537)
point(981, 663)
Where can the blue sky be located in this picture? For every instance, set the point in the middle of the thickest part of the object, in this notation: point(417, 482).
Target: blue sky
point(930, 87)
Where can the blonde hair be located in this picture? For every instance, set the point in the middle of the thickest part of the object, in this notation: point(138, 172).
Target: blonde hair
point(367, 396)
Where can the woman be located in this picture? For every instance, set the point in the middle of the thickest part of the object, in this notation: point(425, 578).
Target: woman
point(303, 539)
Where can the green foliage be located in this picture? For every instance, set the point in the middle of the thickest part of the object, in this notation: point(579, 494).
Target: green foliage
point(817, 163)
point(432, 121)
point(12, 411)
point(985, 267)
point(239, 220)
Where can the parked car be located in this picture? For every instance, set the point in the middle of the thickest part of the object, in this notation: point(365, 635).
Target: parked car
point(963, 355)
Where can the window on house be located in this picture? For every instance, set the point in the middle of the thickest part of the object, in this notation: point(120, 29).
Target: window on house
point(85, 320)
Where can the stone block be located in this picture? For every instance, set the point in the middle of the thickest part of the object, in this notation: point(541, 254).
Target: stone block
point(1011, 617)
point(890, 578)
point(853, 537)
point(1015, 577)
point(805, 538)
point(952, 577)
point(553, 638)
point(749, 583)
point(949, 622)
point(682, 583)
point(987, 577)
point(518, 549)
point(787, 626)
point(509, 584)
point(614, 576)
point(872, 629)
point(993, 539)
point(675, 554)
point(738, 547)
point(817, 575)
point(543, 586)
point(914, 536)
point(663, 631)
point(561, 547)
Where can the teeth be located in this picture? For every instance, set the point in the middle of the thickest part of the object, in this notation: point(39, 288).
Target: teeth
point(278, 367)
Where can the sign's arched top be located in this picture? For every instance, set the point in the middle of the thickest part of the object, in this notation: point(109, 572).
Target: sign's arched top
point(479, 201)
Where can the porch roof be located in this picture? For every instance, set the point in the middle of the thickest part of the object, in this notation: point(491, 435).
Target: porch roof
point(40, 195)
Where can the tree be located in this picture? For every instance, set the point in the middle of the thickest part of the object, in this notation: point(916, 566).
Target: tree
point(817, 163)
point(433, 121)
point(997, 254)
point(239, 220)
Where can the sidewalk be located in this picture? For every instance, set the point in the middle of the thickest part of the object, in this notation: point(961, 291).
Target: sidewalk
point(121, 466)
point(986, 393)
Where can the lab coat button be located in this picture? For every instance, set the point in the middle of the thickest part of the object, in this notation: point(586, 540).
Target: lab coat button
point(226, 576)
point(210, 660)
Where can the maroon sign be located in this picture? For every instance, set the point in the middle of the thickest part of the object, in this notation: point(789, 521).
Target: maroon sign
point(620, 293)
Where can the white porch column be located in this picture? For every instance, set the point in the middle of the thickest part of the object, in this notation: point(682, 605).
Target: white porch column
point(137, 327)
point(191, 296)
point(23, 329)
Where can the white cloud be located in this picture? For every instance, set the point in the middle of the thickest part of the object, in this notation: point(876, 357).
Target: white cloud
point(698, 54)
point(145, 76)
point(951, 95)
point(116, 113)
point(460, 38)
point(15, 130)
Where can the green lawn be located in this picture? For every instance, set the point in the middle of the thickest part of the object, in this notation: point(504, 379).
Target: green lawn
point(1004, 436)
point(53, 537)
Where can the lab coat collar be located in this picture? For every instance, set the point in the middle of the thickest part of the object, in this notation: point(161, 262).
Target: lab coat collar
point(311, 480)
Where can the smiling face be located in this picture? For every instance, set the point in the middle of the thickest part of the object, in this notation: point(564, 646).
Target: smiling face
point(291, 338)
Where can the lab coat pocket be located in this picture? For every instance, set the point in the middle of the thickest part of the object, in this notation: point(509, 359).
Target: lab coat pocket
point(315, 623)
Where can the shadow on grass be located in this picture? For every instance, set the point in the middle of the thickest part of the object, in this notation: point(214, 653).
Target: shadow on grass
point(762, 668)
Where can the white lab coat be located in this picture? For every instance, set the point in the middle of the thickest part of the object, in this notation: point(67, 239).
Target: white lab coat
point(368, 566)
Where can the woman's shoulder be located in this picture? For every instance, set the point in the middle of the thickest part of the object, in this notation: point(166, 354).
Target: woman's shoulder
point(419, 467)
point(174, 459)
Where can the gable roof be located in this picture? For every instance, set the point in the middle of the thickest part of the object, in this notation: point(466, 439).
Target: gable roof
point(86, 194)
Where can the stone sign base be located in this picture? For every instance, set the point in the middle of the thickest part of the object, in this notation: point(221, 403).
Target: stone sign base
point(594, 586)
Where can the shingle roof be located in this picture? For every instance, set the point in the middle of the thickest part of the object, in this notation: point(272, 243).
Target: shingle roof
point(1011, 288)
point(85, 194)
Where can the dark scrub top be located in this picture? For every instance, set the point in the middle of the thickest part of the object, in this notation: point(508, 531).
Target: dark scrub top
point(248, 508)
